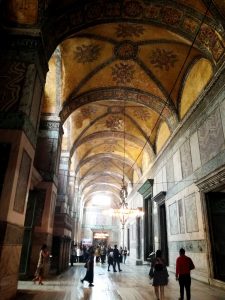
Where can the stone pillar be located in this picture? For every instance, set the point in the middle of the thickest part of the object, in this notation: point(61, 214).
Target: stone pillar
point(47, 163)
point(22, 77)
point(71, 203)
point(63, 219)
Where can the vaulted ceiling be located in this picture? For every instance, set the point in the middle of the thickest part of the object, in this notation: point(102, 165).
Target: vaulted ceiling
point(123, 76)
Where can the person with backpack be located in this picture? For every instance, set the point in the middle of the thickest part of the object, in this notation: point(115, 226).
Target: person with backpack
point(159, 274)
point(184, 265)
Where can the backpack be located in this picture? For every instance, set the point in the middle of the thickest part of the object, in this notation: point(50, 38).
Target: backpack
point(158, 265)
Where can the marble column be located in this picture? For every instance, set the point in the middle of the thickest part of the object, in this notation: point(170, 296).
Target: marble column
point(22, 77)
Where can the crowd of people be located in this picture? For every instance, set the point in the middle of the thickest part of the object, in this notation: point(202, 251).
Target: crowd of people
point(114, 256)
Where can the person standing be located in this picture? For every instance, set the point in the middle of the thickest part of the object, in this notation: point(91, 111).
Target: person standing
point(184, 265)
point(124, 255)
point(116, 259)
point(89, 276)
point(110, 258)
point(159, 274)
point(42, 262)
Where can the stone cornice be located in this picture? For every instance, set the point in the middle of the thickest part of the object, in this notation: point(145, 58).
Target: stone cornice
point(160, 197)
point(212, 181)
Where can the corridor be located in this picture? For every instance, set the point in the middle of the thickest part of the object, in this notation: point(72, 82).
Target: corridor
point(131, 284)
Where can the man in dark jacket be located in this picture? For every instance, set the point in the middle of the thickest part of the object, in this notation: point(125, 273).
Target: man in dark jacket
point(184, 265)
point(116, 259)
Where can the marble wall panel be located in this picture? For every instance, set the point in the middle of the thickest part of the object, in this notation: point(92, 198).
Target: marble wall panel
point(170, 173)
point(173, 216)
point(164, 179)
point(22, 183)
point(181, 216)
point(177, 167)
point(186, 161)
point(211, 137)
point(195, 154)
point(191, 215)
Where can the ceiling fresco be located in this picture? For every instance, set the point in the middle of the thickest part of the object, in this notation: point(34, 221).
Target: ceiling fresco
point(122, 76)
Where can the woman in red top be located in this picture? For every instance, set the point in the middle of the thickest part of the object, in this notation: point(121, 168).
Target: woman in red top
point(184, 265)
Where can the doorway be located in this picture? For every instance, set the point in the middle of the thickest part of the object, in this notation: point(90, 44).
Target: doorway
point(148, 228)
point(216, 220)
point(163, 232)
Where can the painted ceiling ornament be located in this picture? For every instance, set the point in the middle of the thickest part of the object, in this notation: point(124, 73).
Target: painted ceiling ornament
point(163, 59)
point(114, 123)
point(126, 50)
point(122, 73)
point(141, 114)
point(133, 9)
point(110, 148)
point(115, 110)
point(88, 111)
point(87, 53)
point(129, 30)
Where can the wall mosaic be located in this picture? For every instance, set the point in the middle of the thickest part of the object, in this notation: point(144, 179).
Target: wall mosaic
point(191, 215)
point(163, 59)
point(11, 78)
point(87, 53)
point(155, 13)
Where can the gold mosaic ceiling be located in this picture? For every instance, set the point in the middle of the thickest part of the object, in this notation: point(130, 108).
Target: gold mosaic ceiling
point(127, 73)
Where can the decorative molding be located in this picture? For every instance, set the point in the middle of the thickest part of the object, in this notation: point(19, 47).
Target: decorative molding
point(146, 190)
point(51, 125)
point(212, 181)
point(159, 198)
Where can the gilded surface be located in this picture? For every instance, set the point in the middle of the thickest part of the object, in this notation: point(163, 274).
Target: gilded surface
point(125, 76)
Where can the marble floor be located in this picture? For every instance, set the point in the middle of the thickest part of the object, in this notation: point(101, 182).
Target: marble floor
point(130, 284)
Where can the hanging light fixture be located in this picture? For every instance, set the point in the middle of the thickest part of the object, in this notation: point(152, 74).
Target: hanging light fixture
point(124, 212)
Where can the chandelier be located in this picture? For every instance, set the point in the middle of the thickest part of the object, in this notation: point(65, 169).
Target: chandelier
point(124, 212)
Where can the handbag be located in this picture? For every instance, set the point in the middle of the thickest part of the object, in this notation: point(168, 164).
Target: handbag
point(86, 265)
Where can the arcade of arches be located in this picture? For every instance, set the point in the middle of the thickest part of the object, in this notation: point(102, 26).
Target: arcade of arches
point(92, 92)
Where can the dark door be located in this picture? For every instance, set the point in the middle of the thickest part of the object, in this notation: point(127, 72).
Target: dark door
point(163, 232)
point(216, 220)
point(128, 239)
point(148, 228)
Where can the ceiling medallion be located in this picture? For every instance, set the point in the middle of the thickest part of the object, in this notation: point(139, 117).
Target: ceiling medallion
point(126, 50)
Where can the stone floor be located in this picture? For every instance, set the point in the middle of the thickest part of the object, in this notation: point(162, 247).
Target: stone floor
point(130, 284)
